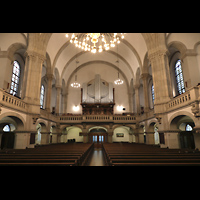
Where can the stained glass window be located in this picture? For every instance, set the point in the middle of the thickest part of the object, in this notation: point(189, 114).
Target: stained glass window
point(152, 92)
point(42, 96)
point(179, 77)
point(15, 78)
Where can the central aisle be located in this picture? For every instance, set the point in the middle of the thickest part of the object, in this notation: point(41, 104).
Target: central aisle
point(96, 158)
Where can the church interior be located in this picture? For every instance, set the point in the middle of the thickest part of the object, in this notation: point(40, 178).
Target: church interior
point(67, 98)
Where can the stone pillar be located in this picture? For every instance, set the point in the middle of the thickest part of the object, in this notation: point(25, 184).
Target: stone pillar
point(110, 135)
point(150, 138)
point(145, 77)
point(172, 140)
point(33, 68)
point(85, 137)
point(49, 90)
point(6, 66)
point(161, 78)
point(131, 106)
point(22, 140)
point(137, 95)
point(45, 137)
point(58, 92)
point(190, 76)
point(65, 95)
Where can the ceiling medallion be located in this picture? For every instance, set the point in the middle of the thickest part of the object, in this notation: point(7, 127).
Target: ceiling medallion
point(95, 42)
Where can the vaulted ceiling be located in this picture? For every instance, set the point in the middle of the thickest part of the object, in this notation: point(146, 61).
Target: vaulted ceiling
point(63, 55)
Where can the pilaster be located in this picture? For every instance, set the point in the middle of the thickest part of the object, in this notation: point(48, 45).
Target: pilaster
point(49, 91)
point(136, 87)
point(33, 73)
point(145, 77)
point(161, 78)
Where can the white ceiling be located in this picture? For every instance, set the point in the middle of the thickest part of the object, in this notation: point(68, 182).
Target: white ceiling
point(62, 53)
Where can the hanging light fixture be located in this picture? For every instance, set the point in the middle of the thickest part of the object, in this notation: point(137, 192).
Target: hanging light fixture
point(75, 84)
point(95, 42)
point(118, 81)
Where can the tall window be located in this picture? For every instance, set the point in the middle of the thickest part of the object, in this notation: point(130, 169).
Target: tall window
point(179, 77)
point(152, 92)
point(15, 78)
point(42, 96)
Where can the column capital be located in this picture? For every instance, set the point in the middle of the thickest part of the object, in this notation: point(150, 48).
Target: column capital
point(136, 86)
point(34, 55)
point(58, 87)
point(145, 76)
point(49, 77)
point(152, 54)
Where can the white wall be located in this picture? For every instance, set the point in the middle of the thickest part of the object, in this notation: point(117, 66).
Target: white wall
point(107, 73)
point(73, 133)
point(121, 129)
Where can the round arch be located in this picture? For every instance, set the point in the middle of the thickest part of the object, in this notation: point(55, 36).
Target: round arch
point(182, 113)
point(20, 121)
point(98, 62)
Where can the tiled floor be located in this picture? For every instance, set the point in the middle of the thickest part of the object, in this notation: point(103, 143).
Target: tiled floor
point(97, 158)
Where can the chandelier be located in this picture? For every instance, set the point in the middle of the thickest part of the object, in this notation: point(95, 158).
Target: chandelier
point(118, 81)
point(95, 42)
point(75, 84)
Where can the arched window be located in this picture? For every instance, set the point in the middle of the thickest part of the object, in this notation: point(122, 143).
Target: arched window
point(179, 77)
point(188, 128)
point(15, 78)
point(6, 128)
point(152, 92)
point(42, 96)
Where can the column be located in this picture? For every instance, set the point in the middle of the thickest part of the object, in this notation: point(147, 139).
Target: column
point(6, 65)
point(33, 81)
point(161, 78)
point(65, 95)
point(110, 135)
point(145, 77)
point(58, 92)
point(49, 90)
point(85, 137)
point(190, 76)
point(137, 95)
point(150, 138)
point(172, 140)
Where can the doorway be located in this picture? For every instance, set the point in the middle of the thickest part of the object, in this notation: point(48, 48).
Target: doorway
point(98, 136)
point(98, 139)
point(187, 140)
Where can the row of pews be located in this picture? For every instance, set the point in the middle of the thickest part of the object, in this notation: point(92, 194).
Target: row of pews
point(64, 154)
point(131, 154)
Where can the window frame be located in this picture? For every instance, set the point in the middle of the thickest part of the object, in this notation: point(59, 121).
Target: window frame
point(179, 77)
point(15, 78)
point(42, 95)
point(152, 93)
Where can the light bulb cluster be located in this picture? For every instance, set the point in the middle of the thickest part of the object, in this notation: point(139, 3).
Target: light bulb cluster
point(95, 42)
point(119, 81)
point(76, 85)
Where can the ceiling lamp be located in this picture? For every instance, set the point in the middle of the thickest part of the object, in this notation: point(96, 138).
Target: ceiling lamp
point(75, 84)
point(95, 42)
point(118, 81)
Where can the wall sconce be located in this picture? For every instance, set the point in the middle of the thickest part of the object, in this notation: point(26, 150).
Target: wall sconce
point(76, 108)
point(120, 108)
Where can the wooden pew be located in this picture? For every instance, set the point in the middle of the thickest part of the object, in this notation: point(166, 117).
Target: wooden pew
point(134, 155)
point(64, 154)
